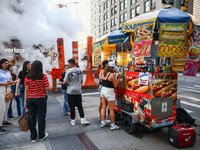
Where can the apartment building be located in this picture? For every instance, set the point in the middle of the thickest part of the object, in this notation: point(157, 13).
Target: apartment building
point(109, 15)
point(196, 9)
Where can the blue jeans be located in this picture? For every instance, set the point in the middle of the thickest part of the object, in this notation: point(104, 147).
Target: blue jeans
point(66, 108)
point(21, 98)
point(9, 114)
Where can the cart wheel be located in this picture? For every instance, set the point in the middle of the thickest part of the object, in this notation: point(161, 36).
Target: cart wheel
point(129, 127)
point(117, 115)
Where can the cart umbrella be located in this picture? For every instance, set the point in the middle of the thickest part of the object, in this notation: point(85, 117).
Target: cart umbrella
point(165, 15)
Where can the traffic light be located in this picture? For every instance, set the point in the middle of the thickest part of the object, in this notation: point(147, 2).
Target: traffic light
point(185, 7)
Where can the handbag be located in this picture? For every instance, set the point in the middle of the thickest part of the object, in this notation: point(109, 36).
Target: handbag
point(9, 96)
point(43, 91)
point(23, 123)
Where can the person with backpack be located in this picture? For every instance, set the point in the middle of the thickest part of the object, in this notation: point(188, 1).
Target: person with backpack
point(36, 84)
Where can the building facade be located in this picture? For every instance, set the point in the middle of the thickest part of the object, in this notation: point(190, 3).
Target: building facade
point(196, 9)
point(109, 15)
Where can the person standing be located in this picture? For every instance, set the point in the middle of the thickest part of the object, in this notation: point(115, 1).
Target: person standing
point(109, 82)
point(5, 88)
point(13, 87)
point(66, 109)
point(20, 84)
point(105, 64)
point(36, 84)
point(73, 79)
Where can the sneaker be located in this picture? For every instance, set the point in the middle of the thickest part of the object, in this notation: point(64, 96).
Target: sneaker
point(2, 131)
point(46, 135)
point(85, 122)
point(114, 127)
point(7, 124)
point(107, 121)
point(33, 141)
point(103, 125)
point(73, 122)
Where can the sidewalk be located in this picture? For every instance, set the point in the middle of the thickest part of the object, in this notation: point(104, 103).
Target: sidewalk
point(63, 136)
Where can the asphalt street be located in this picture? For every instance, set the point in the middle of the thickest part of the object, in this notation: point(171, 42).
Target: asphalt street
point(63, 136)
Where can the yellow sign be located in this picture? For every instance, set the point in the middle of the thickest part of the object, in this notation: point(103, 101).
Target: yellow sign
point(172, 31)
point(170, 49)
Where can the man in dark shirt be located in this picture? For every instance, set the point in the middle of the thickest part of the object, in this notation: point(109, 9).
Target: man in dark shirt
point(66, 109)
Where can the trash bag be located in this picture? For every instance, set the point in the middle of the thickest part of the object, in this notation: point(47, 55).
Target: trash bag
point(183, 116)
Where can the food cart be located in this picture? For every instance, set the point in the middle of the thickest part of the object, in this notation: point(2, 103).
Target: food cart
point(147, 93)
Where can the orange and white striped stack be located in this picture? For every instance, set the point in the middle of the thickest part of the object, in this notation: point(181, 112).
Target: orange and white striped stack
point(75, 51)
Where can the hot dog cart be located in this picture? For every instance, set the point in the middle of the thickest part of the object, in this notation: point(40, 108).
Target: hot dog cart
point(147, 96)
point(148, 99)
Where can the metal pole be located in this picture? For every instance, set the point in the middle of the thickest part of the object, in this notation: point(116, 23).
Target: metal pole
point(177, 4)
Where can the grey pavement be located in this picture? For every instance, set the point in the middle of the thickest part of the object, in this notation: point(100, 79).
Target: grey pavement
point(63, 136)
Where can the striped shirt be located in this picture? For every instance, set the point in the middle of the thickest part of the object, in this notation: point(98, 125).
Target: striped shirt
point(37, 90)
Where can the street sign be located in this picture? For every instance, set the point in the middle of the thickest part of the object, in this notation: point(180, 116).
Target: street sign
point(171, 2)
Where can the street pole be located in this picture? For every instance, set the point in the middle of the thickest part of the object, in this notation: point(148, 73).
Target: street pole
point(177, 4)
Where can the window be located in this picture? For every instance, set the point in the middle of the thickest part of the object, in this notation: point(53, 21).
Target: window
point(121, 6)
point(104, 27)
point(107, 25)
point(137, 10)
point(125, 16)
point(107, 14)
point(115, 9)
point(121, 18)
point(107, 4)
point(112, 22)
point(99, 19)
point(137, 0)
point(100, 9)
point(112, 11)
point(125, 3)
point(115, 0)
point(104, 16)
point(132, 13)
point(115, 21)
point(112, 2)
point(153, 4)
point(132, 2)
point(99, 28)
point(146, 6)
point(104, 6)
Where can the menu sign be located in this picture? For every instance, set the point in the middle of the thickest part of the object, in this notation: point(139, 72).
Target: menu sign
point(96, 53)
point(190, 68)
point(172, 31)
point(170, 49)
point(196, 35)
point(143, 32)
point(142, 48)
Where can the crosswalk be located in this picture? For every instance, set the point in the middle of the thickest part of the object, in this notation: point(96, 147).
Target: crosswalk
point(190, 98)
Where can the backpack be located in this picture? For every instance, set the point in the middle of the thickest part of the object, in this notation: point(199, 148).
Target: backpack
point(183, 116)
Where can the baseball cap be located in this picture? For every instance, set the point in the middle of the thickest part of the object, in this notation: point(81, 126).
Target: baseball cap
point(111, 64)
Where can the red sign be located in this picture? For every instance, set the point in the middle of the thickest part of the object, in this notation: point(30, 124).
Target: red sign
point(142, 48)
point(190, 68)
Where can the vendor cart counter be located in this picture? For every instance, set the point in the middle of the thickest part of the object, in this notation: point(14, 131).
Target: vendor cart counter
point(153, 96)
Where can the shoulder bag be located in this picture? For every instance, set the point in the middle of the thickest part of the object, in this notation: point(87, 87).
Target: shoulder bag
point(8, 96)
